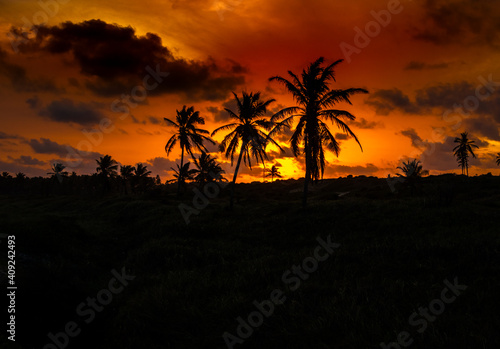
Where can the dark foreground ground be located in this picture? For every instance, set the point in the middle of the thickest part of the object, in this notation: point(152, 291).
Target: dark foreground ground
point(185, 285)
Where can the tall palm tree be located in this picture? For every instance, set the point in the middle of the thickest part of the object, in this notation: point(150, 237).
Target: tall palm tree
point(207, 169)
point(462, 151)
point(247, 130)
point(498, 159)
point(315, 101)
point(188, 134)
point(273, 172)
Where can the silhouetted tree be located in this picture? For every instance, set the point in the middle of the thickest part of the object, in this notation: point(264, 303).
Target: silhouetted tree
point(247, 130)
point(462, 151)
point(141, 176)
point(273, 172)
point(182, 174)
point(6, 175)
point(188, 134)
point(106, 169)
point(411, 169)
point(126, 173)
point(315, 99)
point(498, 159)
point(207, 169)
point(58, 171)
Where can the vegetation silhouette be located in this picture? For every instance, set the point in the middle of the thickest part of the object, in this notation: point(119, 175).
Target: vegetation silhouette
point(247, 130)
point(315, 99)
point(188, 135)
point(412, 172)
point(182, 174)
point(107, 168)
point(273, 172)
point(462, 151)
point(498, 159)
point(207, 169)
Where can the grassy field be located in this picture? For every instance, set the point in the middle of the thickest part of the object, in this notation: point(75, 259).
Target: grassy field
point(188, 283)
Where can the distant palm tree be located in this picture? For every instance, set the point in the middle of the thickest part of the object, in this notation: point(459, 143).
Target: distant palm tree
point(141, 171)
point(127, 173)
point(107, 166)
point(182, 174)
point(412, 169)
point(273, 172)
point(6, 175)
point(207, 169)
point(58, 171)
point(462, 151)
point(188, 135)
point(498, 159)
point(315, 99)
point(20, 176)
point(247, 130)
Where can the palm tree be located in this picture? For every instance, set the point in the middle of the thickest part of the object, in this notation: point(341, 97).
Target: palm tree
point(142, 176)
point(58, 171)
point(315, 99)
point(107, 166)
point(273, 172)
point(6, 175)
point(127, 172)
point(188, 135)
point(498, 159)
point(247, 130)
point(462, 151)
point(207, 169)
point(182, 174)
point(412, 169)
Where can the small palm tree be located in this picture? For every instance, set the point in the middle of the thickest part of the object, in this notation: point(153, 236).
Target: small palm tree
point(246, 133)
point(315, 101)
point(411, 169)
point(188, 134)
point(273, 172)
point(141, 171)
point(207, 169)
point(6, 175)
point(462, 151)
point(182, 174)
point(58, 171)
point(498, 159)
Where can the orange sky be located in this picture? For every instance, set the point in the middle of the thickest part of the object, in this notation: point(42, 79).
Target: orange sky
point(420, 60)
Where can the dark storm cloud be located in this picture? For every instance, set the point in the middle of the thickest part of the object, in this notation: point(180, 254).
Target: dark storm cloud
point(460, 22)
point(19, 79)
point(14, 167)
point(339, 170)
point(341, 136)
point(161, 166)
point(115, 60)
point(66, 110)
point(220, 114)
point(414, 65)
point(483, 126)
point(385, 101)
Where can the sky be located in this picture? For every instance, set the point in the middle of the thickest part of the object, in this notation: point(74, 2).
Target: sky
point(81, 79)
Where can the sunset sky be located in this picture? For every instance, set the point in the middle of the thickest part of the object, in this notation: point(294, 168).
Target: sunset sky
point(432, 69)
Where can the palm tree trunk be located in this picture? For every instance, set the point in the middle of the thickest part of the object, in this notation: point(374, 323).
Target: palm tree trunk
point(180, 173)
point(308, 174)
point(235, 175)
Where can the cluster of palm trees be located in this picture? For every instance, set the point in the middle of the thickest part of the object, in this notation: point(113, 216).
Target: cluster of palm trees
point(251, 130)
